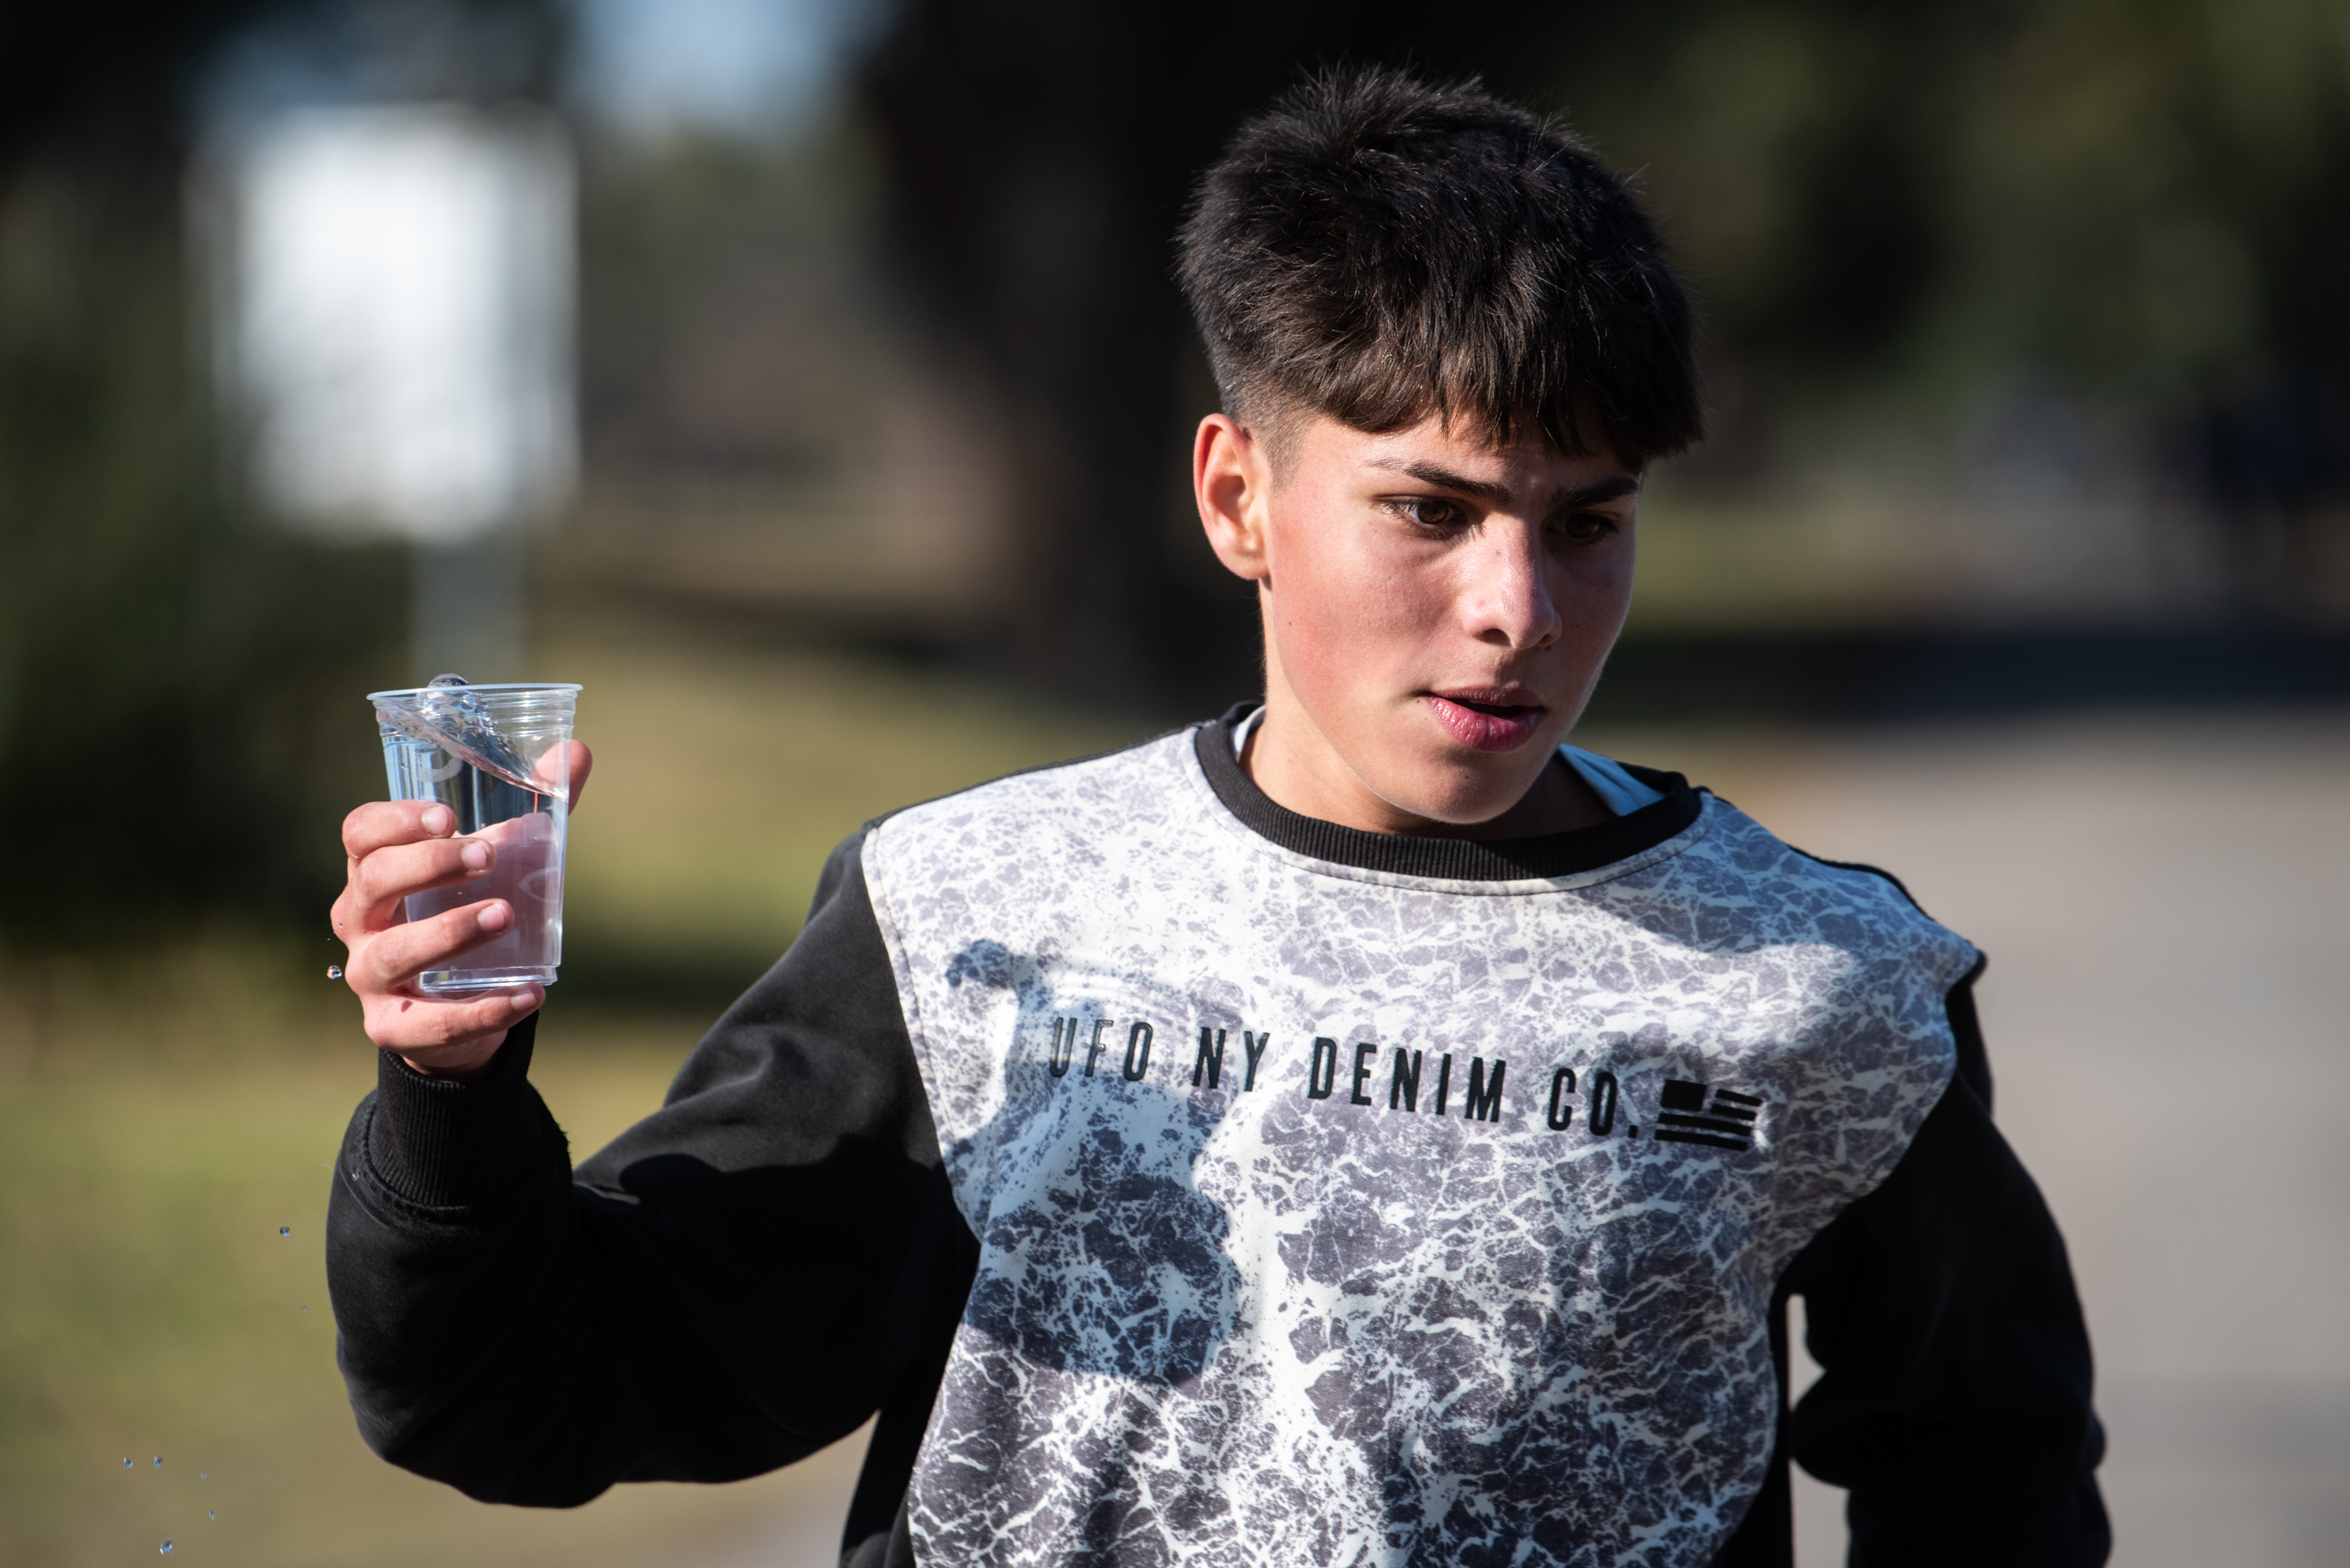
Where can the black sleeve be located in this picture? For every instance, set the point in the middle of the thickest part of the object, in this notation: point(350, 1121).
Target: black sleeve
point(741, 1278)
point(1953, 1403)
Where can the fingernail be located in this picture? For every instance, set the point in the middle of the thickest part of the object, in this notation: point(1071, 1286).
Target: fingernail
point(438, 819)
point(476, 855)
point(495, 918)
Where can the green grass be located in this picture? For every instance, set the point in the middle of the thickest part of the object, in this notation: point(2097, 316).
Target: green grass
point(721, 781)
point(161, 1116)
point(152, 1307)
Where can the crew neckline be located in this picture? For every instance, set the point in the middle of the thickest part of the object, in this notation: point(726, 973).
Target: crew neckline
point(1567, 854)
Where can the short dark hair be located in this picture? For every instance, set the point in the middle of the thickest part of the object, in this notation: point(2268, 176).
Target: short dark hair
point(1376, 248)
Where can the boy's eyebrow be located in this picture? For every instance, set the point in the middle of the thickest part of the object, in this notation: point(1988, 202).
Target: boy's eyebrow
point(1598, 492)
point(1445, 479)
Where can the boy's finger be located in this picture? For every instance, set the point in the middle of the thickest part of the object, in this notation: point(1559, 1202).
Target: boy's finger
point(380, 823)
point(413, 1025)
point(379, 882)
point(389, 960)
point(583, 762)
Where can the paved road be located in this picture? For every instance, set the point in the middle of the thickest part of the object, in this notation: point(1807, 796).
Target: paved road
point(2162, 899)
point(2163, 902)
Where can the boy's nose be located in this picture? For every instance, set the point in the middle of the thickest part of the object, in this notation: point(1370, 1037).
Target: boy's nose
point(1507, 599)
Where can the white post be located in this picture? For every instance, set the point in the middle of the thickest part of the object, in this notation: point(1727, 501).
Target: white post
point(400, 342)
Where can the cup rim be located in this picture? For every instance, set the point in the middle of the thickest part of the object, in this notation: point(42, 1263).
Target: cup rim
point(498, 686)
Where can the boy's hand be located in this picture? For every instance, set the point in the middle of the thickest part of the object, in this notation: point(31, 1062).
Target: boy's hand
point(397, 848)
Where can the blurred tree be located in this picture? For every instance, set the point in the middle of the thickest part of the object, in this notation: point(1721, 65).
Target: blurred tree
point(2134, 202)
point(178, 686)
point(1884, 209)
point(106, 77)
point(161, 667)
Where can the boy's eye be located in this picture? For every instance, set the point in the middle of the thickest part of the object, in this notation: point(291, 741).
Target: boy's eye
point(1588, 527)
point(1431, 513)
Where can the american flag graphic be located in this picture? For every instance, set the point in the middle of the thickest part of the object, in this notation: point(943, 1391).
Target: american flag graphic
point(1727, 1122)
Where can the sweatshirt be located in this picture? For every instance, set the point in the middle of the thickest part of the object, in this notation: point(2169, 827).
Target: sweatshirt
point(1180, 1178)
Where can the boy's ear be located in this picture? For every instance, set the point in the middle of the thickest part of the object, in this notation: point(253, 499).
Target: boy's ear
point(1232, 476)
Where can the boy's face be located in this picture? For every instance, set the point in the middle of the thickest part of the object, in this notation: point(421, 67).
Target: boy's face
point(1436, 611)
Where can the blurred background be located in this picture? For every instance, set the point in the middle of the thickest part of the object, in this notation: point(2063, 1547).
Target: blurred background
point(803, 376)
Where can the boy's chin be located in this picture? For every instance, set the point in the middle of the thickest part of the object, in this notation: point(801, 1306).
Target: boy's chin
point(1467, 792)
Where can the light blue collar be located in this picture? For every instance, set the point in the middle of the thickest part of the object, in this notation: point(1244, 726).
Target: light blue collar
point(1610, 780)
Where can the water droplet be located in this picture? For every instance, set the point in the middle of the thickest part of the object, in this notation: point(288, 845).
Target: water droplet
point(126, 1461)
point(306, 1309)
point(333, 971)
point(167, 1548)
point(210, 1515)
point(159, 1462)
point(286, 1230)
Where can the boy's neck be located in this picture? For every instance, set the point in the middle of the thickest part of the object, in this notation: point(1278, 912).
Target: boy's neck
point(1298, 768)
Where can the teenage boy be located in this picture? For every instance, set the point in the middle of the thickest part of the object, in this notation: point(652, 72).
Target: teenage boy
point(1362, 1129)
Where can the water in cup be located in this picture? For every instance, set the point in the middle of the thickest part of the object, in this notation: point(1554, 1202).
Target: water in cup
point(494, 755)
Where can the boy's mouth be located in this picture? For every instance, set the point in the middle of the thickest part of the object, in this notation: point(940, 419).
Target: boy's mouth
point(1495, 719)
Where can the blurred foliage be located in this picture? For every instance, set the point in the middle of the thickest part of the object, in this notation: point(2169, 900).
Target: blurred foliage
point(1949, 234)
point(697, 253)
point(770, 434)
point(2140, 196)
point(105, 74)
point(178, 683)
point(165, 669)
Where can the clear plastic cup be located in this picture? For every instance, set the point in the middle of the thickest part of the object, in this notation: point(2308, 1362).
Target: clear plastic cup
point(526, 823)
